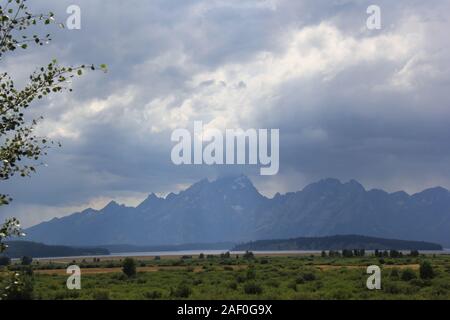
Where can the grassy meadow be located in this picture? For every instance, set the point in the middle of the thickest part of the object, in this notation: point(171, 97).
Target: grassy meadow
point(237, 277)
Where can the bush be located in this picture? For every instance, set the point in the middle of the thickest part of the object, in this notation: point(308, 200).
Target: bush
point(100, 294)
point(309, 276)
point(119, 276)
point(182, 291)
point(225, 255)
point(249, 255)
point(20, 287)
point(395, 274)
point(153, 295)
point(392, 288)
point(408, 275)
point(141, 281)
point(395, 254)
point(414, 253)
point(300, 280)
point(129, 267)
point(292, 285)
point(251, 274)
point(418, 283)
point(347, 253)
point(5, 261)
point(253, 288)
point(26, 261)
point(426, 270)
point(273, 283)
point(233, 285)
point(26, 270)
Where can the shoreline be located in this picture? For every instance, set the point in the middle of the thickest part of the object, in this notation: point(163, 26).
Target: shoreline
point(166, 255)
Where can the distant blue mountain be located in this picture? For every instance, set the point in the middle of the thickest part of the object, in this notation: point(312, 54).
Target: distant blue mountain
point(232, 209)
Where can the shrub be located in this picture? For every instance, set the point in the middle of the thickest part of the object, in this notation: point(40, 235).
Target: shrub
point(225, 255)
point(292, 285)
point(251, 274)
point(347, 253)
point(392, 288)
point(153, 295)
point(273, 283)
point(26, 270)
point(119, 276)
point(395, 254)
point(309, 276)
point(253, 288)
point(426, 270)
point(339, 294)
point(418, 283)
point(26, 261)
point(249, 255)
point(300, 280)
point(182, 291)
point(5, 261)
point(177, 263)
point(233, 285)
point(100, 294)
point(395, 274)
point(20, 287)
point(129, 267)
point(408, 275)
point(414, 253)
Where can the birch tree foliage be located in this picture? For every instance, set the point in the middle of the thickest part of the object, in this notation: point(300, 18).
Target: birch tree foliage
point(21, 149)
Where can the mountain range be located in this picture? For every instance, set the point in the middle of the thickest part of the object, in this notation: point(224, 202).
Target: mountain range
point(232, 209)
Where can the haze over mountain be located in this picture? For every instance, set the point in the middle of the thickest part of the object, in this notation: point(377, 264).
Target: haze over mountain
point(232, 209)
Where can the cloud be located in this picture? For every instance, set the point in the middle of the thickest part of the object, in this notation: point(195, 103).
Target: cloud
point(349, 102)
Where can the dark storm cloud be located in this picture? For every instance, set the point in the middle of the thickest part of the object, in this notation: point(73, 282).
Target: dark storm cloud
point(349, 102)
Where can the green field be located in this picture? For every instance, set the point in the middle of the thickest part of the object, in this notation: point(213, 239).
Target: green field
point(261, 277)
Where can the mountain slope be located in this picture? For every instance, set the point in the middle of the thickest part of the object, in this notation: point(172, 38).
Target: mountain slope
point(18, 249)
point(231, 209)
point(341, 242)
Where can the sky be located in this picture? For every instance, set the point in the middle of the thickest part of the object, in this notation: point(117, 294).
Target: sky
point(350, 103)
